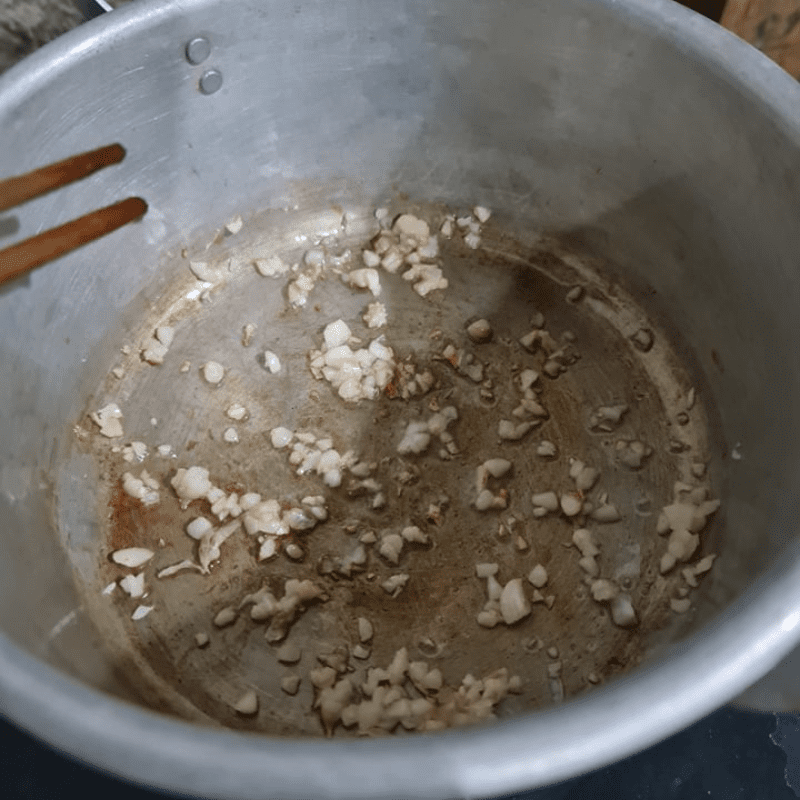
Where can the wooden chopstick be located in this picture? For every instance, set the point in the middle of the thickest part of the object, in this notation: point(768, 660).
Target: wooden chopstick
point(37, 250)
point(14, 191)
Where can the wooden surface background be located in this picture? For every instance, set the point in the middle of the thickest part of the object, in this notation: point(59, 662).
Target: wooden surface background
point(773, 26)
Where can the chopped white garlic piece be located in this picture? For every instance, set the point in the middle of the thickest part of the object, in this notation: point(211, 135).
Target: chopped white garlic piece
point(289, 653)
point(213, 372)
point(356, 375)
point(416, 439)
point(414, 228)
point(271, 362)
point(132, 556)
point(210, 543)
point(571, 504)
point(141, 612)
point(299, 289)
point(514, 606)
point(294, 551)
point(472, 240)
point(265, 517)
point(247, 333)
point(133, 585)
point(198, 527)
point(585, 477)
point(375, 316)
point(538, 576)
point(394, 584)
point(589, 565)
point(392, 260)
point(622, 612)
point(413, 534)
point(191, 484)
point(486, 501)
point(299, 519)
point(546, 449)
point(480, 331)
point(704, 564)
point(281, 437)
point(364, 278)
point(222, 505)
point(314, 258)
point(108, 419)
point(249, 500)
point(203, 271)
point(365, 629)
point(370, 258)
point(154, 352)
point(174, 569)
point(247, 704)
point(425, 278)
point(509, 431)
point(230, 435)
point(680, 606)
point(143, 488)
point(390, 547)
point(359, 651)
point(603, 591)
point(268, 548)
point(607, 512)
point(235, 225)
point(418, 434)
point(497, 467)
point(336, 334)
point(225, 617)
point(546, 500)
point(584, 540)
point(236, 412)
point(135, 451)
point(271, 267)
point(155, 348)
point(606, 418)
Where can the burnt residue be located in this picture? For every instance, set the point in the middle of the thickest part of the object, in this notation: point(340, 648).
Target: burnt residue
point(434, 615)
point(133, 525)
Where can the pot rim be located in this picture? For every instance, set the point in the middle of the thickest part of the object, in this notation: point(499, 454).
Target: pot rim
point(614, 721)
point(696, 675)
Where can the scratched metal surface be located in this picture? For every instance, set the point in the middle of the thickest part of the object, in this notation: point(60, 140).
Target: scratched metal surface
point(154, 232)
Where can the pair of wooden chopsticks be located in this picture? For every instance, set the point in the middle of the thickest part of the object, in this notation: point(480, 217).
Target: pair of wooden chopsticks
point(37, 250)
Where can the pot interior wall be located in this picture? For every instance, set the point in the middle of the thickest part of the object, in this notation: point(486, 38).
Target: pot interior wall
point(603, 136)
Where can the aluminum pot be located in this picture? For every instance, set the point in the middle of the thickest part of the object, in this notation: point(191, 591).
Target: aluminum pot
point(644, 133)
